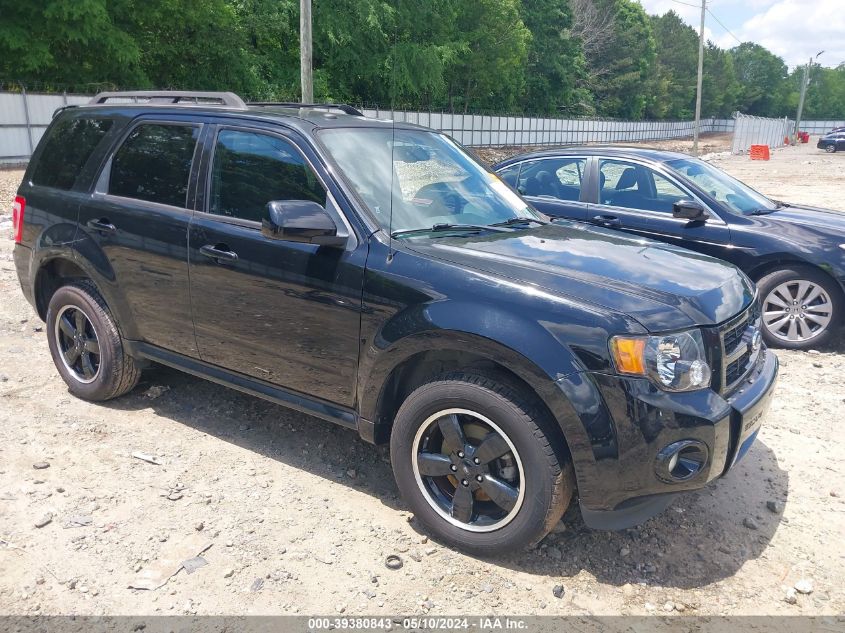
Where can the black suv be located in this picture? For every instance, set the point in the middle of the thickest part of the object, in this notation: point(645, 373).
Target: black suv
point(374, 275)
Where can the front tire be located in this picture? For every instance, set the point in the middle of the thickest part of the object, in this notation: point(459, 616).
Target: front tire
point(475, 463)
point(86, 345)
point(830, 149)
point(801, 307)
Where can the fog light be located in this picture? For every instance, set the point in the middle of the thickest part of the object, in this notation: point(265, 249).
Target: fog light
point(681, 461)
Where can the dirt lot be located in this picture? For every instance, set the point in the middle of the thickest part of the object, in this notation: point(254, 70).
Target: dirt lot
point(299, 515)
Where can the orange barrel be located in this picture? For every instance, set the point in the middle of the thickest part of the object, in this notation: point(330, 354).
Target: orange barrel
point(759, 152)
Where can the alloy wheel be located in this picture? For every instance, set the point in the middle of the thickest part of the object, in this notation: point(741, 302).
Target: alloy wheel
point(77, 343)
point(797, 310)
point(468, 470)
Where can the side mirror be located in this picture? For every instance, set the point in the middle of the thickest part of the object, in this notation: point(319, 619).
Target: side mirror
point(300, 221)
point(690, 210)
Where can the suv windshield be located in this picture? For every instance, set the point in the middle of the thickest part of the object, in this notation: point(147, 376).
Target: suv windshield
point(424, 177)
point(727, 190)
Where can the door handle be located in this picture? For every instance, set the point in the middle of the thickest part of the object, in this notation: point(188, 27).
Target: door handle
point(103, 225)
point(219, 252)
point(607, 221)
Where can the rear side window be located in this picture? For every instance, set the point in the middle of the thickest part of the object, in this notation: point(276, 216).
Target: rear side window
point(154, 164)
point(66, 150)
point(251, 169)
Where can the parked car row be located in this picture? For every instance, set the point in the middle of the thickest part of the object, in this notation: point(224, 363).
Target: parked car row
point(833, 141)
point(515, 356)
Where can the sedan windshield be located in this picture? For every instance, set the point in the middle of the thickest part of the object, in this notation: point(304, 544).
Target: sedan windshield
point(730, 192)
point(422, 184)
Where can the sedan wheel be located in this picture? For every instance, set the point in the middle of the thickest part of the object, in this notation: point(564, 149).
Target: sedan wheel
point(797, 311)
point(830, 149)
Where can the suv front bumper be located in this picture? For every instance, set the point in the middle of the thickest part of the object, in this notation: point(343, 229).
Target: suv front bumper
point(626, 488)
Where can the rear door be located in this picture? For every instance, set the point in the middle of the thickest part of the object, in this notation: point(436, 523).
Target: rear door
point(284, 312)
point(138, 216)
point(637, 198)
point(555, 186)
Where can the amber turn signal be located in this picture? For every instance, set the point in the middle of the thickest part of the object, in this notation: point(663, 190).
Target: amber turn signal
point(629, 354)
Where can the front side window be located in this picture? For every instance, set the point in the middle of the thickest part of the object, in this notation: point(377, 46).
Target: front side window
point(414, 179)
point(66, 150)
point(633, 186)
point(252, 169)
point(735, 195)
point(558, 178)
point(154, 164)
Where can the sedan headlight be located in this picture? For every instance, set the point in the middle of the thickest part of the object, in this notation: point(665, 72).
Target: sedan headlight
point(674, 362)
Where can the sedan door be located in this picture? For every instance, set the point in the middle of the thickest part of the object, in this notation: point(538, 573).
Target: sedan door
point(555, 186)
point(284, 312)
point(636, 198)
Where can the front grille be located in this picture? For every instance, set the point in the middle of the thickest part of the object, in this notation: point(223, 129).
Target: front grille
point(737, 354)
point(736, 370)
point(733, 336)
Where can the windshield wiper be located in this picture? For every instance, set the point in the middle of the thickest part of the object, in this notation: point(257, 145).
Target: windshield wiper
point(513, 221)
point(475, 228)
point(762, 211)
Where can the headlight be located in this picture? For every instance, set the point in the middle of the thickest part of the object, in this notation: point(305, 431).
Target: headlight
point(674, 362)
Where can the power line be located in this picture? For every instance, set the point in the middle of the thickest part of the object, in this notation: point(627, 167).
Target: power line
point(727, 30)
point(687, 4)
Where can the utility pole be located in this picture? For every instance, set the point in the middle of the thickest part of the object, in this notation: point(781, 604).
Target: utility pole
point(700, 77)
point(305, 51)
point(804, 83)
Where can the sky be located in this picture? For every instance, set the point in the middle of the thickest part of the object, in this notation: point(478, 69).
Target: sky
point(792, 29)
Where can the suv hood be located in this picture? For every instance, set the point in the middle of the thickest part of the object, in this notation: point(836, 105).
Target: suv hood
point(661, 286)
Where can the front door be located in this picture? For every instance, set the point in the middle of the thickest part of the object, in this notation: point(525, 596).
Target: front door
point(638, 199)
point(284, 312)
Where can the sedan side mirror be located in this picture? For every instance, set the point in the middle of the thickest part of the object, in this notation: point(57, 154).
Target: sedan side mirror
point(300, 221)
point(690, 210)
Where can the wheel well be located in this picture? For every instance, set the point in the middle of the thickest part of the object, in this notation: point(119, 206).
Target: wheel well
point(52, 276)
point(762, 270)
point(422, 367)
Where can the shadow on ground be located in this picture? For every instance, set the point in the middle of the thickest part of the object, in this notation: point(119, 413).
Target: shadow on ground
point(702, 538)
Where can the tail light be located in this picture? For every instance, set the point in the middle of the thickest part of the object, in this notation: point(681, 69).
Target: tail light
point(18, 208)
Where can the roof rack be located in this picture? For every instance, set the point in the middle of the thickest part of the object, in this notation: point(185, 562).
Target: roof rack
point(171, 97)
point(348, 109)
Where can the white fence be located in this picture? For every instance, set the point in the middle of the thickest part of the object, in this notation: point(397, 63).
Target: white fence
point(23, 119)
point(754, 130)
point(820, 127)
point(479, 130)
point(25, 116)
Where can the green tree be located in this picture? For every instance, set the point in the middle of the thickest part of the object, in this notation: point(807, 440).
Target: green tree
point(761, 76)
point(720, 88)
point(620, 70)
point(66, 41)
point(555, 61)
point(676, 67)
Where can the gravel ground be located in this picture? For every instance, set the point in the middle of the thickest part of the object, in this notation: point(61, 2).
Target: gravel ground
point(293, 515)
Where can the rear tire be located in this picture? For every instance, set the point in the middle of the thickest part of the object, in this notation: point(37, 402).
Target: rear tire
point(496, 486)
point(802, 307)
point(86, 345)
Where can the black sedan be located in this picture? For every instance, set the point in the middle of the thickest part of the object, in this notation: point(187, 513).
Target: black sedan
point(833, 142)
point(796, 254)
